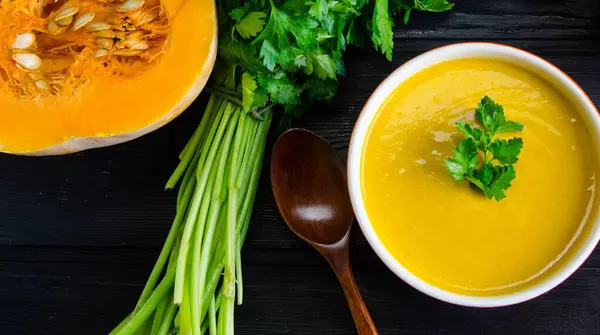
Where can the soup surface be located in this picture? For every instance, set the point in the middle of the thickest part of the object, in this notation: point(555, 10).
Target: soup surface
point(450, 234)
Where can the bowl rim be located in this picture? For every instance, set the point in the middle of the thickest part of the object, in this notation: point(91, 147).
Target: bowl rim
point(366, 117)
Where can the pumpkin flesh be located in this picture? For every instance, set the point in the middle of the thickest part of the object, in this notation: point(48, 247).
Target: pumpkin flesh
point(108, 104)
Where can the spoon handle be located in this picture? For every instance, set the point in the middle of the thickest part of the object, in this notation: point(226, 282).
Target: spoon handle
point(340, 262)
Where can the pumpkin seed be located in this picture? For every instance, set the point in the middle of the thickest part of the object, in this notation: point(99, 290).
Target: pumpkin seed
point(127, 52)
point(149, 17)
point(65, 21)
point(140, 46)
point(120, 35)
point(83, 19)
point(130, 6)
point(55, 29)
point(42, 84)
point(101, 53)
point(28, 61)
point(67, 12)
point(24, 41)
point(97, 26)
point(106, 43)
point(106, 33)
point(131, 42)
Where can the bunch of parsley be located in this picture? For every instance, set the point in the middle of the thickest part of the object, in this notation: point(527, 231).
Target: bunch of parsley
point(290, 51)
point(493, 170)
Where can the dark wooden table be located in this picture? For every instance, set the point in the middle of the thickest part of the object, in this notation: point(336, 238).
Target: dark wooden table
point(80, 233)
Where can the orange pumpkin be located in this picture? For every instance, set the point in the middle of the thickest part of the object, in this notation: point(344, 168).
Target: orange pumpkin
point(82, 74)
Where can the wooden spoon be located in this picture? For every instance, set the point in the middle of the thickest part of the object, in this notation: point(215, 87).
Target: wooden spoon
point(309, 183)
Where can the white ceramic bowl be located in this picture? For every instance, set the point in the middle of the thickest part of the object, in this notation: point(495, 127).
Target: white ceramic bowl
point(544, 69)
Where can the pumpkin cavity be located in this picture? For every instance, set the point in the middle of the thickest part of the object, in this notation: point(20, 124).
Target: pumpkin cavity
point(51, 47)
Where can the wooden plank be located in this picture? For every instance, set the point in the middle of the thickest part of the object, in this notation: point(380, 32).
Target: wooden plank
point(572, 8)
point(285, 300)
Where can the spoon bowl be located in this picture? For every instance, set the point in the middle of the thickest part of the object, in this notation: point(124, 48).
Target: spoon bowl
point(315, 205)
point(309, 184)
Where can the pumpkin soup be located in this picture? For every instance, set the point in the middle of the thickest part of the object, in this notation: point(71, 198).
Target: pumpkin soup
point(450, 234)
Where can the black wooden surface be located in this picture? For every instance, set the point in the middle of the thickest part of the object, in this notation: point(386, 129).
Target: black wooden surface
point(80, 233)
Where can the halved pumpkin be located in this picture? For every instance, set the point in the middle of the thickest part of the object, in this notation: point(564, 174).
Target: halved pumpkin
point(81, 74)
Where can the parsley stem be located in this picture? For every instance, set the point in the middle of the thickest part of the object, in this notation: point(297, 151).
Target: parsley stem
point(212, 317)
point(165, 327)
point(147, 308)
point(210, 152)
point(224, 89)
point(160, 313)
point(190, 149)
point(232, 98)
point(219, 176)
point(255, 161)
point(167, 249)
point(217, 199)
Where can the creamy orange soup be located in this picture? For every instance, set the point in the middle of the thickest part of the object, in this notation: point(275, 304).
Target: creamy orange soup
point(450, 234)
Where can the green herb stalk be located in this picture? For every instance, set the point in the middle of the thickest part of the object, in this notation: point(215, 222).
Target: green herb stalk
point(195, 250)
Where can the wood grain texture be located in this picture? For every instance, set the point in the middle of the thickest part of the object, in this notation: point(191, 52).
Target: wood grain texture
point(80, 233)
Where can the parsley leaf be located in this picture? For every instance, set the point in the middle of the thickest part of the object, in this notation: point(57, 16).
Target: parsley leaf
point(492, 116)
point(320, 90)
point(280, 88)
point(509, 126)
point(492, 179)
point(270, 55)
point(464, 161)
point(322, 65)
point(260, 98)
point(242, 54)
point(248, 88)
point(422, 5)
point(282, 31)
point(485, 175)
point(238, 13)
point(319, 9)
point(251, 24)
point(472, 133)
point(433, 5)
point(507, 152)
point(383, 37)
point(503, 176)
point(253, 97)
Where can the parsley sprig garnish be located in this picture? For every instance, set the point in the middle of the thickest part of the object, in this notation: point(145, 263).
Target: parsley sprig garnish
point(493, 170)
